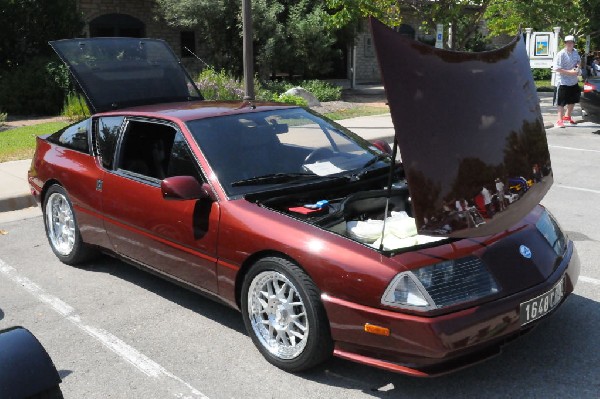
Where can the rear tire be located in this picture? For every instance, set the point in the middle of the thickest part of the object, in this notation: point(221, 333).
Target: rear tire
point(284, 316)
point(62, 230)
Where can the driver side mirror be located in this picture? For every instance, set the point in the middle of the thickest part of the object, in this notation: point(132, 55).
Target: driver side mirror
point(185, 188)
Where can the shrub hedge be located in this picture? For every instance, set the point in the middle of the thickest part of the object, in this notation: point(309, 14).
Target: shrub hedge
point(36, 88)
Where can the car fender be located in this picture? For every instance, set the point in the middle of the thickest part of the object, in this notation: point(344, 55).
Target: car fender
point(25, 367)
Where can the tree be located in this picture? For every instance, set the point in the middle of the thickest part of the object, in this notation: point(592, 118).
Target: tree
point(506, 16)
point(464, 16)
point(290, 36)
point(32, 78)
point(350, 12)
point(26, 26)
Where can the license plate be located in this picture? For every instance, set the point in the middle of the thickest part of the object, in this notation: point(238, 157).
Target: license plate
point(539, 306)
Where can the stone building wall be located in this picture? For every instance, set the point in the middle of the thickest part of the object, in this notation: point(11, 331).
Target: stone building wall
point(367, 68)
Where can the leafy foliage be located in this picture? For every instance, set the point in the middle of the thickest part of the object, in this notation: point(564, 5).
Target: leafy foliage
point(32, 80)
point(324, 91)
point(290, 99)
point(75, 108)
point(505, 16)
point(37, 87)
point(290, 36)
point(221, 85)
point(345, 12)
point(26, 26)
point(3, 117)
point(464, 15)
point(541, 74)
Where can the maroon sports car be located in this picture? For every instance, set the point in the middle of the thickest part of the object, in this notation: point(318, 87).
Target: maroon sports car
point(325, 243)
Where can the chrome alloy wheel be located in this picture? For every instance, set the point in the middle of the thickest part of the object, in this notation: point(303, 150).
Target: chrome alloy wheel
point(61, 226)
point(278, 315)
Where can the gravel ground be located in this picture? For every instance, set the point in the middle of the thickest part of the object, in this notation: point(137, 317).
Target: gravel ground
point(332, 106)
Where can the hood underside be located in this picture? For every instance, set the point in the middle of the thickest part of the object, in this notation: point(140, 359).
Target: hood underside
point(467, 125)
point(119, 72)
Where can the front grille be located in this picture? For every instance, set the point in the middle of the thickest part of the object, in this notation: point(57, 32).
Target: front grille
point(468, 281)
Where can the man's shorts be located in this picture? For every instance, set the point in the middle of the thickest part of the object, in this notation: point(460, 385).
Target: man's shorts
point(568, 95)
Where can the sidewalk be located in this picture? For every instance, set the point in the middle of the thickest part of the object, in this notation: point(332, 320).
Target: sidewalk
point(14, 188)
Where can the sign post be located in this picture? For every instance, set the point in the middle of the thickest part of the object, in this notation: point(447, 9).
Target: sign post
point(248, 53)
point(439, 36)
point(541, 49)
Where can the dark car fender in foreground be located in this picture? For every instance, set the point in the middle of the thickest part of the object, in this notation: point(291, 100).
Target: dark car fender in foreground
point(26, 370)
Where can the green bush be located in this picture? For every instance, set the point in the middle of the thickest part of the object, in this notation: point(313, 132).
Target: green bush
point(277, 86)
point(75, 108)
point(3, 117)
point(222, 85)
point(35, 88)
point(219, 85)
point(290, 99)
point(324, 91)
point(541, 74)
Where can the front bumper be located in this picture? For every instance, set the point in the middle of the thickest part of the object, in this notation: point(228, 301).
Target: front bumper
point(428, 346)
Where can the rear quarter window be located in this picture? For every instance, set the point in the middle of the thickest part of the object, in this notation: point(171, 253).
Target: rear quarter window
point(107, 135)
point(74, 137)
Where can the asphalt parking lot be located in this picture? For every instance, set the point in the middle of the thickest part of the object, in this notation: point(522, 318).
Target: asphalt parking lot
point(114, 331)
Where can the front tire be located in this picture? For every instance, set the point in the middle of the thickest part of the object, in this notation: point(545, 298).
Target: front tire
point(284, 315)
point(61, 228)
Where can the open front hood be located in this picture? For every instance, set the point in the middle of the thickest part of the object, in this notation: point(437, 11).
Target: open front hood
point(463, 120)
point(121, 72)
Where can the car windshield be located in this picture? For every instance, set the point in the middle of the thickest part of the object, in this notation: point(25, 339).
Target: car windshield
point(252, 152)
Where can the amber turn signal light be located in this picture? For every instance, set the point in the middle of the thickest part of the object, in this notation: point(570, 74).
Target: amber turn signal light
point(377, 330)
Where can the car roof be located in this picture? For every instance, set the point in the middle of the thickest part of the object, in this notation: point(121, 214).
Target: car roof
point(187, 111)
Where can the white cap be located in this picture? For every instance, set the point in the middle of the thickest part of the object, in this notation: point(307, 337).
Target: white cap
point(569, 38)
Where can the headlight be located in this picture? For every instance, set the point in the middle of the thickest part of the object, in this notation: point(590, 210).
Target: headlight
point(552, 233)
point(441, 285)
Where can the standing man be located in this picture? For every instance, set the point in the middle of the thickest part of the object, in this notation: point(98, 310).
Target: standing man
point(487, 201)
point(566, 66)
point(500, 191)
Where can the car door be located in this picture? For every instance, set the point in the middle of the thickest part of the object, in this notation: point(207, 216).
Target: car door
point(173, 237)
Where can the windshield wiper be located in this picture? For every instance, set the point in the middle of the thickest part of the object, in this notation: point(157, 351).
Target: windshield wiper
point(273, 178)
point(366, 167)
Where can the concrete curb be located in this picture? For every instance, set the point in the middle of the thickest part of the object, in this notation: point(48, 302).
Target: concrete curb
point(17, 203)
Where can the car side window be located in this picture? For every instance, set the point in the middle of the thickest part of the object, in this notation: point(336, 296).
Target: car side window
point(74, 137)
point(182, 163)
point(107, 135)
point(156, 150)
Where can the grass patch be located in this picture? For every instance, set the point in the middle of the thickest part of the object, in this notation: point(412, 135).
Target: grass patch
point(364, 110)
point(19, 143)
point(544, 85)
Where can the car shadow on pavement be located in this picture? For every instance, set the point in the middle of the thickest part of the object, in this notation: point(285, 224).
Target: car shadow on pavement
point(559, 358)
point(170, 291)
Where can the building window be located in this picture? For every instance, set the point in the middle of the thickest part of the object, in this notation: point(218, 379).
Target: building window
point(188, 43)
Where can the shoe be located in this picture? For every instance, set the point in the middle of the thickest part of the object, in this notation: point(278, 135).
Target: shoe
point(568, 120)
point(560, 124)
